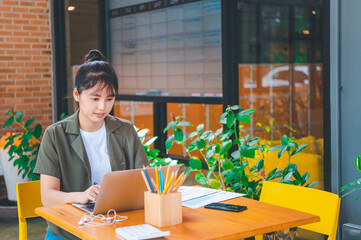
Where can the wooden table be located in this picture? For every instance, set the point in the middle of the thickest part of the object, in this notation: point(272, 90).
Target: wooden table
point(198, 223)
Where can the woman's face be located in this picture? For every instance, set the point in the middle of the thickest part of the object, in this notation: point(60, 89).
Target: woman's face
point(94, 105)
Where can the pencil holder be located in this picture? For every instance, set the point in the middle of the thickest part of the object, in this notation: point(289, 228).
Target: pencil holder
point(164, 209)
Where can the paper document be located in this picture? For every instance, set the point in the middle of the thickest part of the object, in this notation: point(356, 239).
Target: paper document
point(195, 197)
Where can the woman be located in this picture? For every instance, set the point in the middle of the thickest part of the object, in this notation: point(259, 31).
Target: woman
point(76, 152)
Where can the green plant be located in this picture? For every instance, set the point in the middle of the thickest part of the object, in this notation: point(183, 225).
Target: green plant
point(152, 153)
point(289, 146)
point(23, 154)
point(354, 184)
point(227, 154)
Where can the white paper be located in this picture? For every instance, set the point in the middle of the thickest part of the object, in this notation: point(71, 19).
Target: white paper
point(195, 197)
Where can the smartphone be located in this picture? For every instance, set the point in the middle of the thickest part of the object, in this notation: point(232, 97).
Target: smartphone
point(226, 207)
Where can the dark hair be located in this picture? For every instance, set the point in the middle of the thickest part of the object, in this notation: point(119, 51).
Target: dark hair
point(95, 70)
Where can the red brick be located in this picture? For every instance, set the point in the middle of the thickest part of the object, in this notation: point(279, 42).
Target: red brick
point(14, 100)
point(5, 21)
point(42, 4)
point(32, 88)
point(12, 27)
point(39, 46)
point(21, 33)
point(32, 76)
point(4, 9)
point(23, 58)
point(7, 2)
point(41, 70)
point(20, 9)
point(6, 45)
point(11, 15)
point(6, 58)
point(32, 64)
point(15, 64)
point(31, 40)
point(38, 34)
point(21, 21)
point(19, 107)
point(27, 4)
point(40, 58)
point(14, 51)
point(14, 39)
point(38, 10)
point(30, 28)
point(8, 70)
point(32, 99)
point(40, 82)
point(22, 45)
point(5, 33)
point(41, 105)
point(15, 76)
point(23, 94)
point(29, 16)
point(32, 52)
point(23, 82)
point(15, 89)
point(25, 70)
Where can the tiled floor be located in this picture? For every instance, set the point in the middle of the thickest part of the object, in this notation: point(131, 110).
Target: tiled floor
point(9, 230)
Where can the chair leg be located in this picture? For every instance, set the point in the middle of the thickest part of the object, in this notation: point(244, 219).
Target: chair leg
point(23, 229)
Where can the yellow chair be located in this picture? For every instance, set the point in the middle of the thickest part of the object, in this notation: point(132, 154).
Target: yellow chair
point(313, 201)
point(28, 197)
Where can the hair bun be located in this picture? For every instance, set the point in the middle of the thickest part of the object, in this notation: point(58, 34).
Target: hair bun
point(95, 55)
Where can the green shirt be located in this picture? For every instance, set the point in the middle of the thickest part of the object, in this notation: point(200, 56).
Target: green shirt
point(62, 155)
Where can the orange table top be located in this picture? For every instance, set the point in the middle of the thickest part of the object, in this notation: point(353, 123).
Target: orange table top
point(197, 223)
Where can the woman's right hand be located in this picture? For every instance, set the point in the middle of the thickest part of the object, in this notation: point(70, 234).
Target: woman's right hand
point(51, 194)
point(91, 194)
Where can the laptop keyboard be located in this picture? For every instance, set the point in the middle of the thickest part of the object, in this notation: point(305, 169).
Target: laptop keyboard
point(89, 206)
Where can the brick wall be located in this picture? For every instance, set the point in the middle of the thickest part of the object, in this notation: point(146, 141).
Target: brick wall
point(25, 60)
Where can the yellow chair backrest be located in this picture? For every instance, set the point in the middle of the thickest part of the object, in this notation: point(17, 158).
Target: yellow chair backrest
point(324, 204)
point(28, 197)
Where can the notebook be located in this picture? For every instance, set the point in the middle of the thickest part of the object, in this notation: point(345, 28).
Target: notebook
point(121, 191)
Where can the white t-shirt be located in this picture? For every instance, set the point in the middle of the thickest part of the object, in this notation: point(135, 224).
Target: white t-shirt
point(97, 151)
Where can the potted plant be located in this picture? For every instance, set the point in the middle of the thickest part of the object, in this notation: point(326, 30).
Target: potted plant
point(227, 155)
point(21, 150)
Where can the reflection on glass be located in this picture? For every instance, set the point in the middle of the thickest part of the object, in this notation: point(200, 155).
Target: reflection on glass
point(280, 74)
point(207, 114)
point(173, 50)
point(139, 113)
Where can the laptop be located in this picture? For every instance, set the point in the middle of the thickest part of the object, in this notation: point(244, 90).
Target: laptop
point(122, 191)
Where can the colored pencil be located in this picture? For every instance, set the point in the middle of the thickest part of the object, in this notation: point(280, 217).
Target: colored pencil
point(168, 185)
point(147, 175)
point(146, 181)
point(157, 177)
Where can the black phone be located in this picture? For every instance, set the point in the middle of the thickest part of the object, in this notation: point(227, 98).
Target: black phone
point(226, 207)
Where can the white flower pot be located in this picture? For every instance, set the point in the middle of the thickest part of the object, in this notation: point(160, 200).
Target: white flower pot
point(10, 175)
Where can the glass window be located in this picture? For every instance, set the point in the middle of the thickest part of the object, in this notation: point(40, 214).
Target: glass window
point(280, 73)
point(172, 49)
point(208, 114)
point(139, 113)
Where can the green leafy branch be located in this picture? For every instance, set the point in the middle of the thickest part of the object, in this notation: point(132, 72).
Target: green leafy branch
point(24, 154)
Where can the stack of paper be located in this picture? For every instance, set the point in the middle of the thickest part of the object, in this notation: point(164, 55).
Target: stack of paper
point(195, 197)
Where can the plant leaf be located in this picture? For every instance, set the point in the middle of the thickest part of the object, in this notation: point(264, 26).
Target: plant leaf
point(179, 136)
point(200, 179)
point(169, 142)
point(230, 119)
point(9, 122)
point(200, 127)
point(195, 163)
point(215, 184)
point(185, 124)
